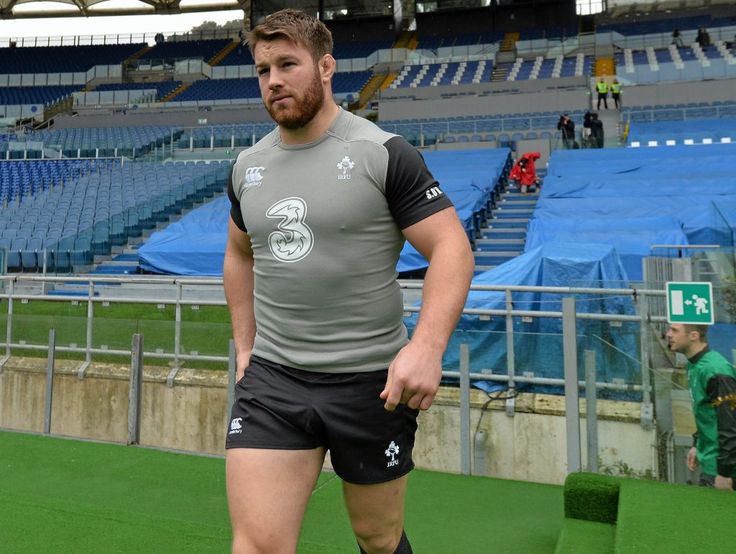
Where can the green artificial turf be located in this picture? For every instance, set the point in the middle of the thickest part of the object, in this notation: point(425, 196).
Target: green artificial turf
point(60, 496)
point(673, 519)
point(652, 517)
point(582, 536)
point(593, 498)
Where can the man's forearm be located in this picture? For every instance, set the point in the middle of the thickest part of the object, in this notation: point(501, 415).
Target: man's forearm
point(445, 289)
point(237, 276)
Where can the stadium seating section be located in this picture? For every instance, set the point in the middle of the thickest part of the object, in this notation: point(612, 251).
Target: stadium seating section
point(81, 167)
point(75, 209)
point(63, 59)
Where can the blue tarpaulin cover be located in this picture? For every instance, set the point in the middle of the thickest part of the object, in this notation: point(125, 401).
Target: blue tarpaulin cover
point(538, 343)
point(195, 244)
point(695, 129)
point(635, 199)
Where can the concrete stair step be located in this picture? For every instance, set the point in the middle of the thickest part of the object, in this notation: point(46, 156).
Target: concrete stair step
point(505, 213)
point(502, 233)
point(516, 202)
point(498, 245)
point(509, 222)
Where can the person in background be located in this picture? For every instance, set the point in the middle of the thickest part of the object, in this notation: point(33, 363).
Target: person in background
point(320, 210)
point(703, 37)
point(602, 88)
point(616, 93)
point(566, 126)
point(596, 130)
point(712, 383)
point(524, 172)
point(676, 38)
point(587, 133)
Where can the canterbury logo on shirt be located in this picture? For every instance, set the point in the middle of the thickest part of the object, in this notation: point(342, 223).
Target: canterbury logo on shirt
point(253, 177)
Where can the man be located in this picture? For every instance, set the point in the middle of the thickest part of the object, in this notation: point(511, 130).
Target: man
point(320, 210)
point(566, 126)
point(676, 38)
point(596, 131)
point(712, 383)
point(602, 88)
point(616, 93)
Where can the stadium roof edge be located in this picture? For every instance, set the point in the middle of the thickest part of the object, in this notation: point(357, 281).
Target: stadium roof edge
point(96, 8)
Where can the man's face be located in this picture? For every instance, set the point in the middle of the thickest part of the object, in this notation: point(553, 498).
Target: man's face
point(290, 82)
point(678, 339)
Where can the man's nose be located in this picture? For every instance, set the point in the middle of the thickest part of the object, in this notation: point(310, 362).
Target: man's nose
point(274, 79)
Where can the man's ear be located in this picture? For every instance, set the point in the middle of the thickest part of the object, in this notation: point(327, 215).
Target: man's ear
point(327, 66)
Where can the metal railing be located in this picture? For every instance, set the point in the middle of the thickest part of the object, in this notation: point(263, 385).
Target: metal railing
point(186, 292)
point(99, 291)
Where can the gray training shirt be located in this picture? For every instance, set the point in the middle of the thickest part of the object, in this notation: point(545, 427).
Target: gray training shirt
point(325, 222)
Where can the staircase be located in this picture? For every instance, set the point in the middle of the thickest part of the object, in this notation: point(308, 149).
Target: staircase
point(177, 91)
point(500, 72)
point(138, 54)
point(505, 234)
point(604, 66)
point(125, 263)
point(222, 54)
point(508, 44)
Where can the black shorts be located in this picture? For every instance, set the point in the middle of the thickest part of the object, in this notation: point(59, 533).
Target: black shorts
point(290, 409)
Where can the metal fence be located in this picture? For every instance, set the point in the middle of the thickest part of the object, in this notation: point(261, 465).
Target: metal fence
point(83, 336)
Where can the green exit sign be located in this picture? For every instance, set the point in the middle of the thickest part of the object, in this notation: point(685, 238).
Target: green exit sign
point(690, 303)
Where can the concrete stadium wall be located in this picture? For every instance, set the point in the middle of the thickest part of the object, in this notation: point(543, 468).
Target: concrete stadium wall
point(489, 99)
point(170, 117)
point(193, 415)
point(721, 90)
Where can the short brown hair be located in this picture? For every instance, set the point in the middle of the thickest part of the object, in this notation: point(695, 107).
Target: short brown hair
point(296, 26)
point(702, 330)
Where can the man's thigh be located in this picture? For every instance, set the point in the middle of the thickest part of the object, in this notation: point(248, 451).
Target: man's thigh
point(268, 491)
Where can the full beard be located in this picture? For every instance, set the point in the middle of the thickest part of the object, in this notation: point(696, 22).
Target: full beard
point(304, 110)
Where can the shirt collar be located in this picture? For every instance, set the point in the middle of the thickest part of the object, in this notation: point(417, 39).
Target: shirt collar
point(695, 359)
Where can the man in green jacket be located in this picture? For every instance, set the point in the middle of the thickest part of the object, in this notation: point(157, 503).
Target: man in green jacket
point(712, 383)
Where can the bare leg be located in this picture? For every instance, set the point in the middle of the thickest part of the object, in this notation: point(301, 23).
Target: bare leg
point(268, 492)
point(377, 514)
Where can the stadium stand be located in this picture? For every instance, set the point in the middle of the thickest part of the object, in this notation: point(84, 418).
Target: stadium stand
point(479, 98)
point(163, 88)
point(169, 52)
point(64, 59)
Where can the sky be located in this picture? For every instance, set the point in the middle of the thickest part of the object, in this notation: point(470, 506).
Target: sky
point(111, 25)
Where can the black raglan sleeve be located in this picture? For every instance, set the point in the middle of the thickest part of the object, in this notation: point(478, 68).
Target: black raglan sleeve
point(412, 192)
point(235, 213)
point(721, 391)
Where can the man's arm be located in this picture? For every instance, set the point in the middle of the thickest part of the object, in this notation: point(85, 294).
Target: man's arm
point(237, 278)
point(721, 390)
point(414, 375)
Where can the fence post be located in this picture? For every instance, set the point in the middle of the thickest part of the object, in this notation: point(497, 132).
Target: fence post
point(49, 382)
point(134, 391)
point(510, 354)
point(90, 319)
point(9, 324)
point(572, 406)
point(177, 338)
point(464, 409)
point(647, 411)
point(591, 411)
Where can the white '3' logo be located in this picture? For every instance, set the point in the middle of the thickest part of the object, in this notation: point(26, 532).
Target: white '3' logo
point(294, 239)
